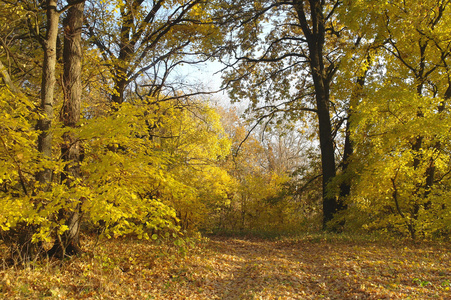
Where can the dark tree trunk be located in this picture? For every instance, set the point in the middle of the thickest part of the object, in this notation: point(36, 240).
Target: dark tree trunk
point(330, 204)
point(348, 150)
point(126, 51)
point(314, 31)
point(119, 89)
point(345, 186)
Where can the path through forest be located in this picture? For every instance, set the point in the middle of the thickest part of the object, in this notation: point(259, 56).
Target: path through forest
point(255, 269)
point(236, 268)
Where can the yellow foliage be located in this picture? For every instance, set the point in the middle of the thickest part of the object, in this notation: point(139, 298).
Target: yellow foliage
point(400, 126)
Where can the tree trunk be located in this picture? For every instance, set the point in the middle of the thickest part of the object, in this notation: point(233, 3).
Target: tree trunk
point(330, 204)
point(119, 88)
point(345, 186)
point(47, 89)
point(314, 31)
point(68, 243)
point(24, 245)
point(348, 150)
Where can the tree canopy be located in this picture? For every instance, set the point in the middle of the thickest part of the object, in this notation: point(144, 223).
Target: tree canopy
point(346, 125)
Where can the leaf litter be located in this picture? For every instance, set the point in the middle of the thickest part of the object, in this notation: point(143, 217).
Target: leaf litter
point(237, 268)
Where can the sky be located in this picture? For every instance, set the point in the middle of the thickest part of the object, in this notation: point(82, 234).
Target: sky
point(208, 75)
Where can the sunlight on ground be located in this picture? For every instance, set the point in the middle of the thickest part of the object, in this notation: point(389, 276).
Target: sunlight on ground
point(231, 268)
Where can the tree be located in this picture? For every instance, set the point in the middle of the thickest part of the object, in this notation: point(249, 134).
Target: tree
point(111, 168)
point(286, 53)
point(260, 199)
point(44, 124)
point(147, 42)
point(48, 87)
point(314, 31)
point(69, 242)
point(402, 148)
point(193, 139)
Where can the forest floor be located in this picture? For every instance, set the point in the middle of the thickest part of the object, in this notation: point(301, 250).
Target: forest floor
point(237, 268)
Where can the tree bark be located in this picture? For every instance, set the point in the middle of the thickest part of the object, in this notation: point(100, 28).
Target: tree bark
point(25, 248)
point(314, 31)
point(47, 89)
point(69, 243)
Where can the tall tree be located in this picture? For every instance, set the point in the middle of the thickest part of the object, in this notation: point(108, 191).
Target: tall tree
point(312, 20)
point(286, 54)
point(69, 243)
point(48, 86)
point(46, 166)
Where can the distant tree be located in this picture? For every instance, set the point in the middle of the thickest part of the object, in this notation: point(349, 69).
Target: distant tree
point(261, 165)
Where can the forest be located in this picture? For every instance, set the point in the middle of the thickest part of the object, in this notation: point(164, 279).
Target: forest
point(319, 168)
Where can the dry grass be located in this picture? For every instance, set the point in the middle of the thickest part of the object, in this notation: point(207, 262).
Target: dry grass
point(232, 268)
